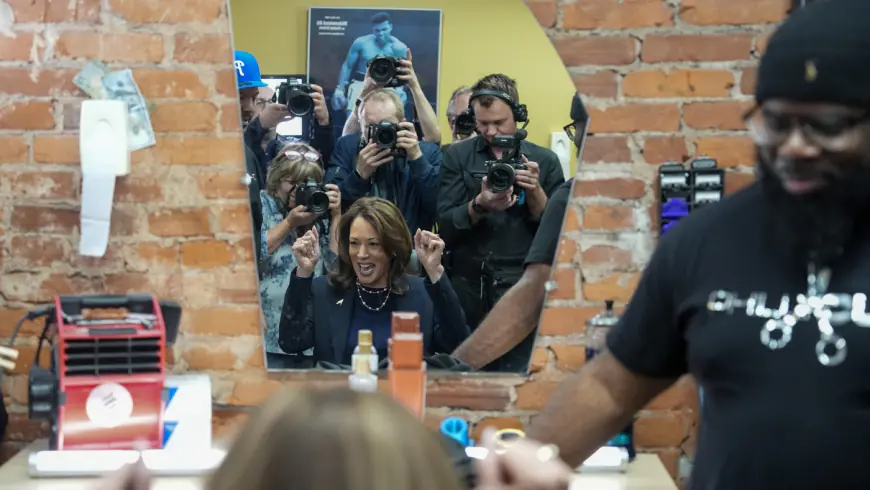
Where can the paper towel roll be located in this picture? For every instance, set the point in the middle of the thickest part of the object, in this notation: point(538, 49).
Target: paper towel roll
point(98, 193)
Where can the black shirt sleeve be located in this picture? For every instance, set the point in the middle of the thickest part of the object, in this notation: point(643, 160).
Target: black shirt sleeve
point(648, 339)
point(543, 249)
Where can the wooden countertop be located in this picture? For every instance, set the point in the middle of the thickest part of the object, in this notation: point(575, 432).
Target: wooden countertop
point(645, 473)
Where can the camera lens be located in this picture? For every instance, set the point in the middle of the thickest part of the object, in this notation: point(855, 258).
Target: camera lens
point(318, 203)
point(300, 104)
point(501, 177)
point(382, 71)
point(465, 123)
point(386, 137)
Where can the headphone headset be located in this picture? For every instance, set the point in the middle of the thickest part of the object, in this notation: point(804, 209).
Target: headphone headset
point(520, 112)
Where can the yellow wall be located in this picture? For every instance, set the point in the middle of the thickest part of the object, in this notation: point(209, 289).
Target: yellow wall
point(479, 37)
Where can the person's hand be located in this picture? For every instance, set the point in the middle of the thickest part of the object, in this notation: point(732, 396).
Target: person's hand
point(334, 194)
point(273, 114)
point(130, 477)
point(408, 139)
point(321, 112)
point(339, 100)
point(525, 465)
point(369, 86)
point(495, 201)
point(299, 216)
point(407, 74)
point(306, 249)
point(429, 248)
point(370, 158)
point(529, 179)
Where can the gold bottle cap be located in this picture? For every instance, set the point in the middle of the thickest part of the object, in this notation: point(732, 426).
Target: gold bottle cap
point(364, 337)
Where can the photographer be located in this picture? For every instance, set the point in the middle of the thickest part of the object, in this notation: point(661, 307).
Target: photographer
point(425, 113)
point(488, 225)
point(388, 160)
point(259, 127)
point(461, 123)
point(508, 330)
point(293, 202)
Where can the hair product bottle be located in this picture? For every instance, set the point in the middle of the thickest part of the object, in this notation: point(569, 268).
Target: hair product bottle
point(362, 379)
point(364, 348)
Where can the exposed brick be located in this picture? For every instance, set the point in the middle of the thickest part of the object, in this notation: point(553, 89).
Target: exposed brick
point(203, 48)
point(167, 11)
point(747, 81)
point(44, 185)
point(582, 51)
point(733, 12)
point(734, 181)
point(138, 189)
point(729, 151)
point(179, 223)
point(26, 115)
point(16, 48)
point(661, 430)
point(206, 254)
point(617, 287)
point(170, 84)
point(199, 150)
point(221, 185)
point(722, 115)
point(630, 118)
point(44, 219)
point(231, 119)
point(566, 320)
point(544, 10)
point(235, 219)
point(226, 83)
point(617, 14)
point(566, 283)
point(42, 83)
point(569, 357)
point(606, 255)
point(657, 150)
point(184, 116)
point(600, 84)
point(13, 149)
point(678, 83)
point(608, 149)
point(612, 188)
point(672, 48)
point(36, 251)
point(56, 149)
point(127, 47)
point(533, 395)
point(225, 321)
point(467, 394)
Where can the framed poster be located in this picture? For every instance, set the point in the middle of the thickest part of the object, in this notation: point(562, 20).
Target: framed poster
point(342, 41)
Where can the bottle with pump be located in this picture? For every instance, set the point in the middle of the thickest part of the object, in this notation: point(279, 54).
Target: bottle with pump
point(362, 379)
point(364, 348)
point(597, 329)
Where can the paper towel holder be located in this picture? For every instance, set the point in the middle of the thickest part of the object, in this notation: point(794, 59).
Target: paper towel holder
point(103, 137)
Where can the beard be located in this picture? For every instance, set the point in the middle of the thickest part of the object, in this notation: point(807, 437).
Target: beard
point(820, 226)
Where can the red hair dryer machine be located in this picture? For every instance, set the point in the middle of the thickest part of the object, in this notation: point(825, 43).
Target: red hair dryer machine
point(104, 388)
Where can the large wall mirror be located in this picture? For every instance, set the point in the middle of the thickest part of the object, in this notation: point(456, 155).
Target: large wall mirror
point(375, 189)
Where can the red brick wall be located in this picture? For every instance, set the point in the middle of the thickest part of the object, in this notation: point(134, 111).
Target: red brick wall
point(666, 79)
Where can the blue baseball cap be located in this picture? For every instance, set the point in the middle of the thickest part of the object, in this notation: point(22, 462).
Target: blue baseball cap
point(248, 71)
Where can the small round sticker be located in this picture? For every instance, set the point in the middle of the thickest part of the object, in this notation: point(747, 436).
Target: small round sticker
point(109, 405)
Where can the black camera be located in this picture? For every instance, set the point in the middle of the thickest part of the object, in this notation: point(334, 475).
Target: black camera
point(297, 98)
point(383, 70)
point(312, 195)
point(465, 124)
point(501, 174)
point(385, 135)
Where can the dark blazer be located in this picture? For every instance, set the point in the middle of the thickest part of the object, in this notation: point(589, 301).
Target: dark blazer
point(318, 315)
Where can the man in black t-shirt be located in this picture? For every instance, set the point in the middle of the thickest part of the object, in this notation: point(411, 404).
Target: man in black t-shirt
point(507, 332)
point(762, 297)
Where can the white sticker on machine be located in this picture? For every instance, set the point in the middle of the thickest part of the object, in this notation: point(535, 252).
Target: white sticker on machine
point(109, 405)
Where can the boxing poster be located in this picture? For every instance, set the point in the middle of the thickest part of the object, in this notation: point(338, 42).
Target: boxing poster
point(342, 42)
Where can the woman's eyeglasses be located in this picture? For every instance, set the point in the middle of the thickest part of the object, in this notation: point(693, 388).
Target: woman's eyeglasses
point(308, 156)
point(831, 132)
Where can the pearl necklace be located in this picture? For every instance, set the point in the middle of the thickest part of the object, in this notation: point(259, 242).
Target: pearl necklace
point(360, 289)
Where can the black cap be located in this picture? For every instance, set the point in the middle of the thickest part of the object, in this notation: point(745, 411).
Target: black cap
point(578, 110)
point(821, 53)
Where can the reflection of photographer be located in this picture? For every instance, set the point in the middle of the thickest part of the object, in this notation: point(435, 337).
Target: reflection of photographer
point(295, 201)
point(508, 330)
point(298, 98)
point(461, 122)
point(493, 191)
point(388, 160)
point(389, 75)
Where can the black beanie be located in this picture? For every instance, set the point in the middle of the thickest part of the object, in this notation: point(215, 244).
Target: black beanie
point(821, 53)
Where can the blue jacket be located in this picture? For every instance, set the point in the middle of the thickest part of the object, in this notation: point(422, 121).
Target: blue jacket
point(415, 181)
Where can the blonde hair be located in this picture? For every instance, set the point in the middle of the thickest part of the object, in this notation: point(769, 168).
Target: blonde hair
point(385, 95)
point(334, 440)
point(297, 170)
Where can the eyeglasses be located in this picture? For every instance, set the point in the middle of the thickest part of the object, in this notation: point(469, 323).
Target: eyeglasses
point(308, 156)
point(831, 132)
point(260, 103)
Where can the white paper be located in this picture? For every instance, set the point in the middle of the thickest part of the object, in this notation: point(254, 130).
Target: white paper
point(98, 192)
